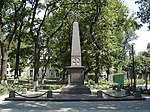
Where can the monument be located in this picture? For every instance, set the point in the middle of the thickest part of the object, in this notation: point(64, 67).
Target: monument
point(76, 70)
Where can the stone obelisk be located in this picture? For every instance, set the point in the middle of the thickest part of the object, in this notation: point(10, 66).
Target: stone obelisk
point(76, 70)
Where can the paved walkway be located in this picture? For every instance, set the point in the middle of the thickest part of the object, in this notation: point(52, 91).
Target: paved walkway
point(3, 97)
point(75, 106)
point(97, 106)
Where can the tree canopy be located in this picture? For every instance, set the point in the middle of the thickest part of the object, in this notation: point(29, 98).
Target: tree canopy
point(39, 33)
point(144, 11)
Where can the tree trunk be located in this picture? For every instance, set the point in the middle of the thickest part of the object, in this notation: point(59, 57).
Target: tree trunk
point(17, 61)
point(96, 75)
point(3, 65)
point(19, 72)
point(107, 72)
point(97, 68)
point(3, 52)
point(36, 62)
point(63, 74)
point(43, 74)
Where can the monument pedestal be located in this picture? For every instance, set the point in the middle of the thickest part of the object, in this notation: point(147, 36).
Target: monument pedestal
point(76, 71)
point(76, 89)
point(76, 81)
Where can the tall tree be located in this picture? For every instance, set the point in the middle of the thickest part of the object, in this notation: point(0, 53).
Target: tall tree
point(9, 25)
point(105, 31)
point(37, 32)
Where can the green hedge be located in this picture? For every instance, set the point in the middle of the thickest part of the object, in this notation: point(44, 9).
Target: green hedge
point(102, 87)
point(28, 86)
point(50, 87)
point(57, 82)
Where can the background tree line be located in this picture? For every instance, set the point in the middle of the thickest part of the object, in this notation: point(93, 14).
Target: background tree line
point(38, 33)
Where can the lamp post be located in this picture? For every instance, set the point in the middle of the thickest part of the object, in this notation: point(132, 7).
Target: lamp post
point(146, 75)
point(133, 68)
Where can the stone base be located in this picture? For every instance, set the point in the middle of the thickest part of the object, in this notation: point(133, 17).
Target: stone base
point(35, 85)
point(76, 89)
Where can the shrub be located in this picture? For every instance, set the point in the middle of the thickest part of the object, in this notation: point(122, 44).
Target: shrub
point(50, 87)
point(21, 82)
point(90, 82)
point(3, 89)
point(104, 82)
point(146, 91)
point(6, 89)
point(28, 86)
point(140, 81)
point(102, 87)
point(58, 82)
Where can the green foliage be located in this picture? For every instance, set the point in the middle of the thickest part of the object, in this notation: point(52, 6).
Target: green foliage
point(14, 88)
point(90, 82)
point(102, 84)
point(28, 86)
point(50, 87)
point(140, 81)
point(3, 89)
point(147, 92)
point(142, 62)
point(102, 87)
point(105, 30)
point(144, 11)
point(6, 89)
point(57, 82)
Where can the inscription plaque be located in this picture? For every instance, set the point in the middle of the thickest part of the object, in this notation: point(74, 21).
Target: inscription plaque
point(75, 78)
